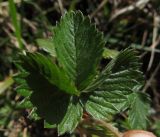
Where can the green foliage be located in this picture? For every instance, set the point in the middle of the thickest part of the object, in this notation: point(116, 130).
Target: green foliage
point(157, 128)
point(3, 119)
point(25, 103)
point(110, 90)
point(109, 53)
point(79, 47)
point(47, 45)
point(16, 24)
point(47, 70)
point(139, 111)
point(61, 92)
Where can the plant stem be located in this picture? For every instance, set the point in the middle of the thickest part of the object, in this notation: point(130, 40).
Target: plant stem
point(109, 127)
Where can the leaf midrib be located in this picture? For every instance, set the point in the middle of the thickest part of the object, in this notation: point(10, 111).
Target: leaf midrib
point(75, 48)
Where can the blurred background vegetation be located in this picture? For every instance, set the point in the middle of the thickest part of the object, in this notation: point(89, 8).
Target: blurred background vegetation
point(125, 23)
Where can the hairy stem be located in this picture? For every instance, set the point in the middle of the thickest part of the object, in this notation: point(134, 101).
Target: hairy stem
point(109, 127)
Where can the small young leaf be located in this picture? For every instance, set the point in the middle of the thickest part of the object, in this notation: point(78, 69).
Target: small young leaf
point(109, 53)
point(47, 45)
point(25, 103)
point(23, 90)
point(19, 78)
point(47, 125)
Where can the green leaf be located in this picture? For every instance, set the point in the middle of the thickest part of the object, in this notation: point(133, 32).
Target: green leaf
point(138, 112)
point(46, 96)
point(25, 103)
point(38, 63)
point(55, 89)
point(123, 68)
point(16, 24)
point(47, 125)
point(79, 47)
point(23, 90)
point(47, 45)
point(156, 128)
point(104, 104)
point(71, 118)
point(109, 53)
point(19, 79)
point(51, 104)
point(108, 93)
point(58, 109)
point(3, 117)
point(33, 115)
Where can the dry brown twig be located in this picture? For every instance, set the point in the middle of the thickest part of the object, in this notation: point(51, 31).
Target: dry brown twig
point(31, 24)
point(155, 39)
point(145, 34)
point(11, 36)
point(82, 132)
point(5, 3)
point(25, 132)
point(61, 7)
point(101, 5)
point(137, 5)
point(148, 83)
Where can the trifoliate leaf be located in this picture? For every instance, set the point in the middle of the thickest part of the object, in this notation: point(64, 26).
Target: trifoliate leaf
point(110, 90)
point(60, 93)
point(138, 113)
point(78, 46)
point(47, 45)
